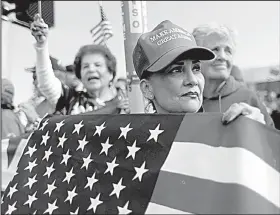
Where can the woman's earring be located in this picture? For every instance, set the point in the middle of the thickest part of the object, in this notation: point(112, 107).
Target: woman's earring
point(151, 96)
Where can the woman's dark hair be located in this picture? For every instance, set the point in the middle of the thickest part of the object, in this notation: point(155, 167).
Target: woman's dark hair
point(146, 75)
point(150, 104)
point(110, 58)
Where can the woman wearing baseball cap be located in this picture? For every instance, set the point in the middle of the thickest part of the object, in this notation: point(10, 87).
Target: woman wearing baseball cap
point(168, 62)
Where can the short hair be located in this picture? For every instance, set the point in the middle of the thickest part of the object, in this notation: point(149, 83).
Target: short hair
point(202, 31)
point(92, 48)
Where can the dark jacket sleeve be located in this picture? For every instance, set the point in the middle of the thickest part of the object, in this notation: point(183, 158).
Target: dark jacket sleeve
point(257, 103)
point(63, 103)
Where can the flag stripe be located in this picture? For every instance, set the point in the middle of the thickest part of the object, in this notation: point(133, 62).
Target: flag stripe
point(225, 165)
point(202, 196)
point(220, 135)
point(103, 30)
point(5, 174)
point(154, 208)
point(95, 27)
point(102, 36)
point(101, 24)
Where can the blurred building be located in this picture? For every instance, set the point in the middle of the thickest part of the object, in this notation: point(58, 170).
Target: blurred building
point(263, 78)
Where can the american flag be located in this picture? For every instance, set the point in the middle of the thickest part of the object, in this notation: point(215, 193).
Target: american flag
point(143, 163)
point(11, 152)
point(103, 30)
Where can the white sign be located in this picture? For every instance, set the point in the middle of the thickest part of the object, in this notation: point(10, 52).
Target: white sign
point(135, 16)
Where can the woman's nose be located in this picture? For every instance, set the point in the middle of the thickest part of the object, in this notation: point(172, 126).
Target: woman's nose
point(190, 79)
point(92, 67)
point(221, 55)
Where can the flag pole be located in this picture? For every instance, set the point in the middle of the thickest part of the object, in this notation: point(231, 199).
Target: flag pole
point(134, 15)
point(40, 8)
point(101, 8)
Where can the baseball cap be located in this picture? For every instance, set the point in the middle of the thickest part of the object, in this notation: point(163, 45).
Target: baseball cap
point(56, 65)
point(156, 49)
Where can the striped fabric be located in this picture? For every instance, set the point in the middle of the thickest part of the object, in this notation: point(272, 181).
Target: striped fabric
point(11, 151)
point(47, 11)
point(103, 30)
point(219, 169)
point(47, 14)
point(147, 164)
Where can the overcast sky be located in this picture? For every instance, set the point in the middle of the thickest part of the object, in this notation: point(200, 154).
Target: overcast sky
point(257, 24)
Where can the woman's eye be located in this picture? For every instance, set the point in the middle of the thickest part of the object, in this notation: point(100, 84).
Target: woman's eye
point(215, 49)
point(196, 68)
point(176, 70)
point(229, 51)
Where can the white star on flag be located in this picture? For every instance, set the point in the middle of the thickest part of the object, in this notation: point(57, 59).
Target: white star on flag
point(78, 127)
point(31, 165)
point(31, 150)
point(155, 133)
point(94, 203)
point(99, 129)
point(140, 171)
point(50, 188)
point(65, 157)
point(31, 181)
point(91, 181)
point(38, 126)
point(105, 147)
point(44, 125)
point(31, 199)
point(111, 166)
point(86, 161)
point(124, 209)
point(49, 170)
point(51, 207)
point(47, 154)
point(11, 208)
point(58, 126)
point(117, 188)
point(71, 195)
point(45, 138)
point(61, 141)
point(76, 212)
point(82, 143)
point(12, 191)
point(132, 150)
point(69, 175)
point(124, 131)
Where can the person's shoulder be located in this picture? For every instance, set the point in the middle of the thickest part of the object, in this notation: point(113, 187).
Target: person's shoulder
point(246, 91)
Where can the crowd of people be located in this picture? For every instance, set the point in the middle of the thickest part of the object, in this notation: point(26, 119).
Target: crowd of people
point(179, 72)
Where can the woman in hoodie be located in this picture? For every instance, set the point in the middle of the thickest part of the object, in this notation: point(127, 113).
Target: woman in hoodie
point(168, 62)
point(221, 88)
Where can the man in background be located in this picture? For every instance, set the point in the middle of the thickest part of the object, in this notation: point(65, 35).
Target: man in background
point(38, 100)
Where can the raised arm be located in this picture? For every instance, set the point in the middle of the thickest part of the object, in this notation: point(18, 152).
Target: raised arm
point(48, 84)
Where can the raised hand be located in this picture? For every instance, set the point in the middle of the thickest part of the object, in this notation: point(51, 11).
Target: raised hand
point(39, 29)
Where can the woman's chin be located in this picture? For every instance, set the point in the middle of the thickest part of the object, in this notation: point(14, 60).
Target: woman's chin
point(93, 87)
point(191, 107)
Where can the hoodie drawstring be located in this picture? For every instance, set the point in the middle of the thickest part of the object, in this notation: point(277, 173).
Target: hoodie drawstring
point(220, 103)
